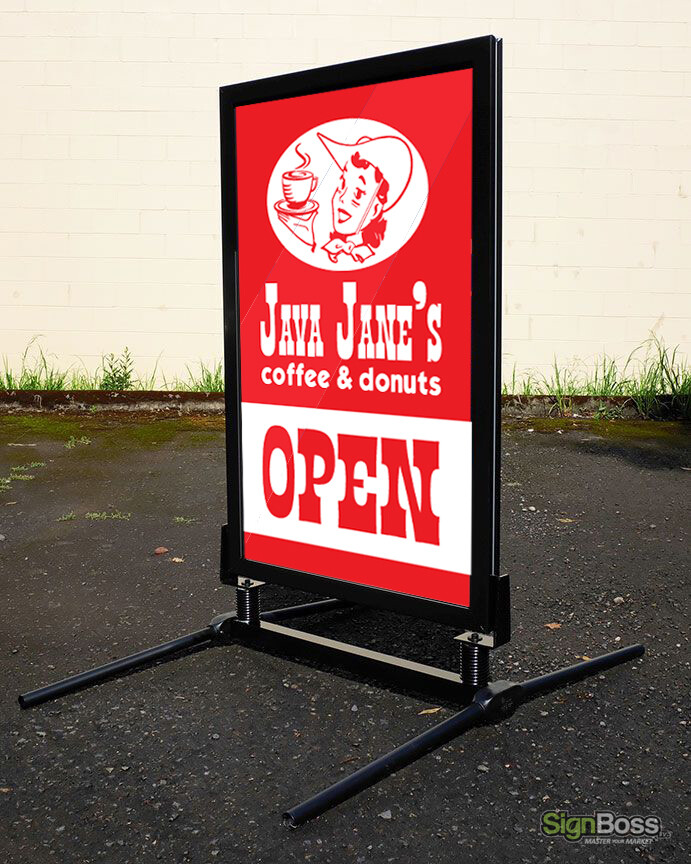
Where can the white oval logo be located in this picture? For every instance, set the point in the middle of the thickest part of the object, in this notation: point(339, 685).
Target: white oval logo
point(347, 194)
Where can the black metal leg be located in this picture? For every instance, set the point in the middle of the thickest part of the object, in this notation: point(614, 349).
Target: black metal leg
point(248, 602)
point(386, 765)
point(304, 609)
point(491, 704)
point(95, 676)
point(552, 680)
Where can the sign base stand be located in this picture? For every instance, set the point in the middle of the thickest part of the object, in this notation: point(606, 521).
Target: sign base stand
point(486, 703)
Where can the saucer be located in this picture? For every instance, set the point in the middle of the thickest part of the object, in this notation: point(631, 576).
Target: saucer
point(307, 208)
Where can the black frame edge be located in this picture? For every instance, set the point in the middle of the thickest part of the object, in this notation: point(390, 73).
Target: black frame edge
point(483, 55)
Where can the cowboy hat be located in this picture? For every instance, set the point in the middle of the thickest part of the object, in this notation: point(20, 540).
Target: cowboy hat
point(389, 154)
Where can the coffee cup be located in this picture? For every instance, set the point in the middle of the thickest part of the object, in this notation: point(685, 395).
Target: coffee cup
point(298, 185)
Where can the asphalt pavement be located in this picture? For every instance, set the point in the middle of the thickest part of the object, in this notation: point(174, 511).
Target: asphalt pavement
point(194, 760)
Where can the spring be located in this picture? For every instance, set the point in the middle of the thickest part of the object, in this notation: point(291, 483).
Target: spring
point(474, 665)
point(248, 603)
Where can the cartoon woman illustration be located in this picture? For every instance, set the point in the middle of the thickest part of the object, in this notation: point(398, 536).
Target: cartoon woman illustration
point(375, 172)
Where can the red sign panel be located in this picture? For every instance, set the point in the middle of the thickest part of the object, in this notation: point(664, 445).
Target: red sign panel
point(354, 217)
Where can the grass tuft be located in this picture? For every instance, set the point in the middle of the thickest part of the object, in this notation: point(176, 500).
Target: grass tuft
point(102, 516)
point(73, 442)
point(209, 379)
point(19, 472)
point(36, 373)
point(654, 378)
point(22, 468)
point(117, 373)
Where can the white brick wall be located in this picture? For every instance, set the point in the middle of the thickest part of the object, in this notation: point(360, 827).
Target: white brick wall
point(109, 222)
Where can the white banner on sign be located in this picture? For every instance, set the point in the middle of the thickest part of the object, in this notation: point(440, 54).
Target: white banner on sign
point(433, 528)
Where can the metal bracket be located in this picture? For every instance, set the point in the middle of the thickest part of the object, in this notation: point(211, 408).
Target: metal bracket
point(249, 583)
point(474, 638)
point(222, 625)
point(501, 615)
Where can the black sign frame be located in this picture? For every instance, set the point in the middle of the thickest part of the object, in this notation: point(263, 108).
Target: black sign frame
point(487, 606)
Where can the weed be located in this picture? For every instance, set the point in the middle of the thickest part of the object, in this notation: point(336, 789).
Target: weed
point(72, 441)
point(184, 520)
point(36, 373)
point(510, 389)
point(118, 372)
point(82, 379)
point(562, 385)
point(606, 381)
point(20, 472)
point(148, 382)
point(209, 379)
point(655, 378)
point(122, 517)
point(521, 387)
point(660, 373)
point(607, 412)
point(102, 516)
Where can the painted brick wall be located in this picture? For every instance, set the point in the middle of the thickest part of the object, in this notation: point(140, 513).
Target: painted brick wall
point(109, 216)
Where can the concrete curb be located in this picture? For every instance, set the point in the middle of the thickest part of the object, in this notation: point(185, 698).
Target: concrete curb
point(181, 403)
point(96, 401)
